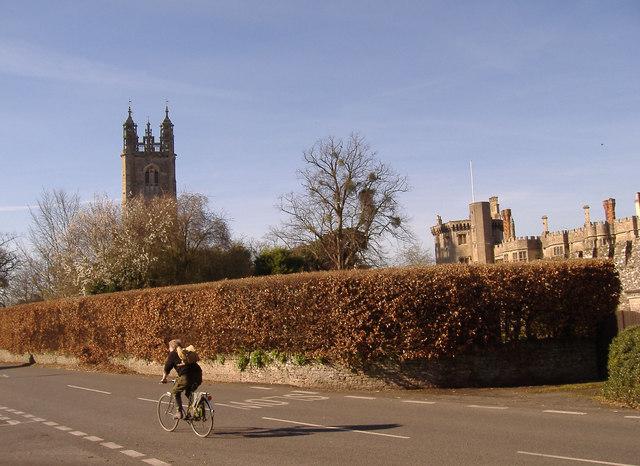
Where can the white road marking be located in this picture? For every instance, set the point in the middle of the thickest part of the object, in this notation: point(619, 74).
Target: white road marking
point(335, 428)
point(487, 407)
point(77, 433)
point(632, 417)
point(111, 445)
point(89, 389)
point(147, 399)
point(553, 411)
point(261, 388)
point(5, 375)
point(155, 462)
point(302, 391)
point(361, 397)
point(568, 458)
point(419, 402)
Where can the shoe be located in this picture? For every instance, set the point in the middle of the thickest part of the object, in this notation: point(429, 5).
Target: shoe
point(179, 415)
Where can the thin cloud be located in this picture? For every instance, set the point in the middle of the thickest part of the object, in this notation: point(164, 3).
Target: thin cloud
point(22, 59)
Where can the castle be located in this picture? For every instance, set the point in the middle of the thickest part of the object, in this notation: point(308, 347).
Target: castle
point(148, 167)
point(488, 236)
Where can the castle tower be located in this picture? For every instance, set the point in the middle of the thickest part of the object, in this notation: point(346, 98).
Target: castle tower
point(148, 168)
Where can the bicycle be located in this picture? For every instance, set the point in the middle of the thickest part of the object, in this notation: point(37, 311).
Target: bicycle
point(199, 413)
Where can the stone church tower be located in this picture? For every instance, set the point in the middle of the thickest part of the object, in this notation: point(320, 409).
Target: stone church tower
point(148, 167)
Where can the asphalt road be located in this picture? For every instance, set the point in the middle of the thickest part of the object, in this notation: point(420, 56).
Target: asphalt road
point(55, 416)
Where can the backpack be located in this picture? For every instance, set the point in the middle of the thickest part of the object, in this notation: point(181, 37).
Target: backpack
point(187, 355)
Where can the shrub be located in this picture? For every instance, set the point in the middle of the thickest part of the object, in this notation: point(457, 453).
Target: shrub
point(623, 384)
point(243, 360)
point(300, 360)
point(258, 358)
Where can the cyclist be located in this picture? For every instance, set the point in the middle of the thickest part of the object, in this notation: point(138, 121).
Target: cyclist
point(189, 375)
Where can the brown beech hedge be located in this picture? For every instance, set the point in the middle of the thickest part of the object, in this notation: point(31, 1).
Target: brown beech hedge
point(348, 317)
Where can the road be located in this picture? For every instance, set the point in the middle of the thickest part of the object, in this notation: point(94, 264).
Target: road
point(56, 416)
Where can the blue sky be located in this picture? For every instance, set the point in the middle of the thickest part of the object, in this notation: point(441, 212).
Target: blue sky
point(542, 96)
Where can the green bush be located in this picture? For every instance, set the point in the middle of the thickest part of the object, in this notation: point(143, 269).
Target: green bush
point(243, 360)
point(624, 368)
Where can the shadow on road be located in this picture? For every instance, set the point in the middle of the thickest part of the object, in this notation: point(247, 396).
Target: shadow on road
point(26, 364)
point(260, 432)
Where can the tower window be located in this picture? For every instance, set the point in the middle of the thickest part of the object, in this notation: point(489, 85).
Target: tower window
point(151, 176)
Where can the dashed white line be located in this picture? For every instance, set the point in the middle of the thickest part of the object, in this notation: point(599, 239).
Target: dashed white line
point(487, 407)
point(155, 462)
point(569, 458)
point(111, 445)
point(50, 423)
point(632, 417)
point(147, 399)
point(63, 428)
point(575, 413)
point(93, 438)
point(89, 389)
point(78, 433)
point(335, 428)
point(360, 397)
point(419, 402)
point(261, 388)
point(132, 453)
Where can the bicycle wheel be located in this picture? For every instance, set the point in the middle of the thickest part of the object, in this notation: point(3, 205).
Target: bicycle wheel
point(202, 424)
point(166, 411)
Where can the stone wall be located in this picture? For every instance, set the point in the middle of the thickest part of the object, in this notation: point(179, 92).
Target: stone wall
point(528, 363)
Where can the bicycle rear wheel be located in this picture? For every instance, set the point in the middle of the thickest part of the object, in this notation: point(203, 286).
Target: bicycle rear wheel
point(202, 423)
point(166, 412)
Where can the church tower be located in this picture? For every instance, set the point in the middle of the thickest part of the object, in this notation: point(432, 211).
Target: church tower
point(148, 167)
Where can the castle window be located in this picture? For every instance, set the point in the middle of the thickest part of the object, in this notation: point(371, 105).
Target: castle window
point(522, 256)
point(558, 251)
point(151, 176)
point(462, 239)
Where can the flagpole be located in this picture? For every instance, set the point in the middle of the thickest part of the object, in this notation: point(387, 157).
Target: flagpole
point(473, 195)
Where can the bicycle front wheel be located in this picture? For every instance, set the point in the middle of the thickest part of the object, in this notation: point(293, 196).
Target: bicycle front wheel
point(166, 411)
point(202, 422)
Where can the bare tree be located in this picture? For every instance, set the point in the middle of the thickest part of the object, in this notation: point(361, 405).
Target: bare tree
point(9, 263)
point(52, 243)
point(348, 206)
point(197, 229)
point(413, 254)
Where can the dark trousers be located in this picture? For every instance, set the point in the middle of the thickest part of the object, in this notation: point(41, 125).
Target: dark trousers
point(186, 384)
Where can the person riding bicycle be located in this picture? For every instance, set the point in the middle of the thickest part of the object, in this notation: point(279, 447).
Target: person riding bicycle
point(189, 375)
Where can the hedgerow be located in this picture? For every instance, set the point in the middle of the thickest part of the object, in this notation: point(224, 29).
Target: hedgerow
point(623, 384)
point(349, 317)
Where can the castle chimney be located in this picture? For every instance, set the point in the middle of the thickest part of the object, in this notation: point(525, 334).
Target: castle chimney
point(545, 226)
point(638, 204)
point(494, 207)
point(610, 209)
point(506, 224)
point(438, 220)
point(587, 216)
